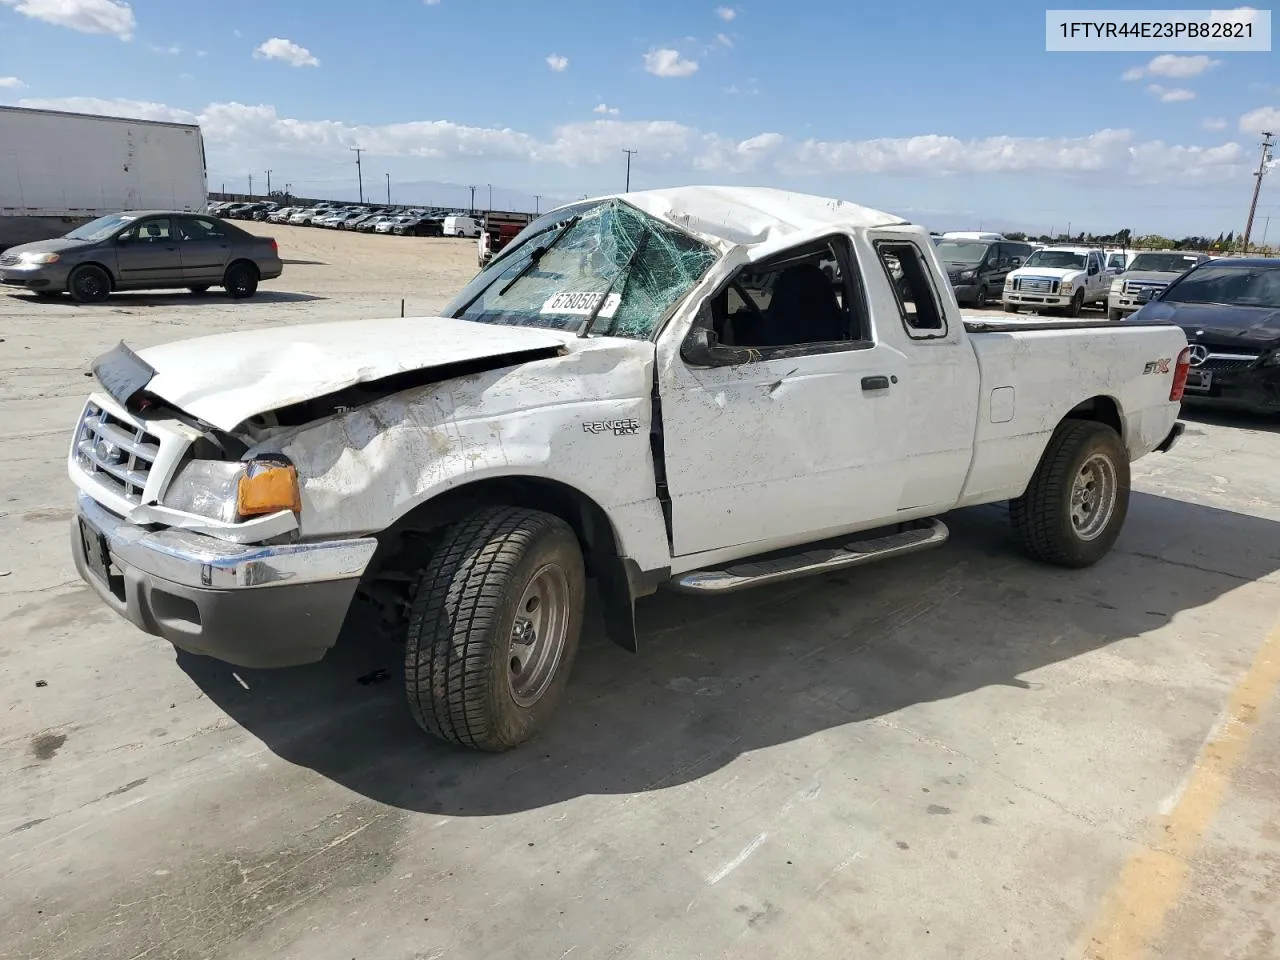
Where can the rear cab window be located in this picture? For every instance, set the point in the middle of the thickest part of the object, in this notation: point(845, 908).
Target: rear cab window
point(908, 275)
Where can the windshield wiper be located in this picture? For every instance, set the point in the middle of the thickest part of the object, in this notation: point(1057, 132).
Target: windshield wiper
point(626, 270)
point(537, 253)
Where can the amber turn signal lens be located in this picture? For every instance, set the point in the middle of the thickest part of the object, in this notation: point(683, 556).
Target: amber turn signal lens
point(268, 489)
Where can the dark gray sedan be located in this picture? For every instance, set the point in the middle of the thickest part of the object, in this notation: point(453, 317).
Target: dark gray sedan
point(143, 250)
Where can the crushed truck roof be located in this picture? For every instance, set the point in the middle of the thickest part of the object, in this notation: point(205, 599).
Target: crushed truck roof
point(752, 216)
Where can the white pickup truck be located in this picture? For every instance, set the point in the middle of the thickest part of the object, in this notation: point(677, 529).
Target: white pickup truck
point(702, 388)
point(1067, 278)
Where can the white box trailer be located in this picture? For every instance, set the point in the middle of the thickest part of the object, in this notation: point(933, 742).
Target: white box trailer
point(59, 170)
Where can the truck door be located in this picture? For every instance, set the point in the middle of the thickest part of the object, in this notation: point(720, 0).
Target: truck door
point(789, 422)
point(939, 384)
point(1096, 279)
point(147, 253)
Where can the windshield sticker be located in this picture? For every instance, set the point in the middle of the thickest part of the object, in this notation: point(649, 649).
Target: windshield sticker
point(582, 304)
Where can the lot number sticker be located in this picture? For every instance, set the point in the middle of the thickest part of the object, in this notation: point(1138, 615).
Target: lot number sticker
point(581, 304)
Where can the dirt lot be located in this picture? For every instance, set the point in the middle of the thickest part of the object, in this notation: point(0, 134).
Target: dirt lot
point(957, 755)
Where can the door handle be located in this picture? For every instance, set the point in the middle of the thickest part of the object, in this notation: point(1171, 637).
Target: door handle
point(875, 383)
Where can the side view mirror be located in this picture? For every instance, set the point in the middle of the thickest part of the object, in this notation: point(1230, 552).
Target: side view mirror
point(700, 347)
point(124, 238)
point(1015, 262)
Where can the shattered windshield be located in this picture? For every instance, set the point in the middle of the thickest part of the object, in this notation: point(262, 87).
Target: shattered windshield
point(605, 258)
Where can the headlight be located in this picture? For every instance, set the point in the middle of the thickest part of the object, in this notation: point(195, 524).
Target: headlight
point(968, 274)
point(1008, 281)
point(39, 257)
point(1117, 285)
point(230, 491)
point(1065, 287)
point(1273, 359)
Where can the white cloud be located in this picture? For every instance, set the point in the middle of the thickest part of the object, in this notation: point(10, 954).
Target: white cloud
point(1171, 94)
point(172, 50)
point(431, 3)
point(1180, 68)
point(668, 63)
point(88, 16)
point(606, 109)
point(726, 13)
point(277, 48)
point(244, 136)
point(1213, 123)
point(558, 63)
point(1173, 66)
point(11, 83)
point(723, 40)
point(1257, 121)
point(202, 53)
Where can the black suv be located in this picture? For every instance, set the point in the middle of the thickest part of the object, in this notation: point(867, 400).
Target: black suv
point(977, 268)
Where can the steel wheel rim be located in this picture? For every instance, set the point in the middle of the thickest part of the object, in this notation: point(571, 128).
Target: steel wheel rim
point(1093, 497)
point(538, 635)
point(241, 282)
point(89, 285)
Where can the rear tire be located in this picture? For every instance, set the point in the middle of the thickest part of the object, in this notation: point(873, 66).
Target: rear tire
point(241, 280)
point(494, 628)
point(1075, 506)
point(980, 298)
point(89, 284)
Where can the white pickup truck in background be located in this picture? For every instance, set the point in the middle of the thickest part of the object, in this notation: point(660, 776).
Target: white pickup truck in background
point(1061, 277)
point(706, 389)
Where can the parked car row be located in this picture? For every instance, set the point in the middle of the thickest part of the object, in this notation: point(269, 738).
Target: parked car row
point(413, 222)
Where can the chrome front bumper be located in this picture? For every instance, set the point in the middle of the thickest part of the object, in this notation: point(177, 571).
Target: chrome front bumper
point(251, 605)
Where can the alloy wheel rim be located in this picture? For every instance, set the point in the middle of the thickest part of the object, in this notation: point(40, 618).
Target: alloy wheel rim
point(1093, 497)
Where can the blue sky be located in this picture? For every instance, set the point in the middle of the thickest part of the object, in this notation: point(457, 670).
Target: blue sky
point(952, 115)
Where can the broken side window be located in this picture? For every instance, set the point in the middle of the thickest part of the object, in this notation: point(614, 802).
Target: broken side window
point(905, 269)
point(811, 295)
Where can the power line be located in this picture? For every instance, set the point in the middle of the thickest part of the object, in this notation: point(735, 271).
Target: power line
point(359, 171)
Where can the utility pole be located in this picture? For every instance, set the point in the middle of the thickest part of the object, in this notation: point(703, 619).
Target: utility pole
point(473, 199)
point(490, 197)
point(288, 190)
point(388, 189)
point(1266, 225)
point(268, 183)
point(251, 184)
point(537, 201)
point(1267, 144)
point(630, 154)
point(359, 170)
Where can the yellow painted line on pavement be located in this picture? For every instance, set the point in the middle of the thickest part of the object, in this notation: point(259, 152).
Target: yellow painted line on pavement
point(1151, 883)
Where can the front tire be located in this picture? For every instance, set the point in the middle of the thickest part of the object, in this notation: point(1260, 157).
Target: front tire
point(1077, 304)
point(89, 284)
point(1075, 506)
point(1114, 315)
point(1010, 308)
point(494, 628)
point(241, 280)
point(980, 298)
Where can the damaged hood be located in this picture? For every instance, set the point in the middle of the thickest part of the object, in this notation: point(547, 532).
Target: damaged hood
point(227, 378)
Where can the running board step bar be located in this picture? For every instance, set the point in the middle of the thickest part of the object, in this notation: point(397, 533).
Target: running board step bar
point(814, 560)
